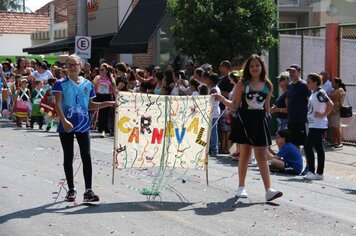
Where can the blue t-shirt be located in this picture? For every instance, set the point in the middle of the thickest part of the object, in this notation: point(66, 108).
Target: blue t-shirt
point(291, 155)
point(297, 96)
point(75, 103)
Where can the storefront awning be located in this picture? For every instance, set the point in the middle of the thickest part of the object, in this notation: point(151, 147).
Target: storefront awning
point(98, 42)
point(140, 27)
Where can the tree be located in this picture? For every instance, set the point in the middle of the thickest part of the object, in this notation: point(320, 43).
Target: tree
point(214, 30)
point(10, 5)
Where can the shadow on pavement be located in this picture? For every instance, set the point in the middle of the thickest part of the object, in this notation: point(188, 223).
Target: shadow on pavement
point(231, 204)
point(212, 208)
point(349, 191)
point(298, 179)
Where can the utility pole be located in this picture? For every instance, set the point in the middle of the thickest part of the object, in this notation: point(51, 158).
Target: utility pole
point(24, 5)
point(82, 18)
point(51, 26)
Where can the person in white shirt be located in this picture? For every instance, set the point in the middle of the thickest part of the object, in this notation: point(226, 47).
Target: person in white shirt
point(319, 106)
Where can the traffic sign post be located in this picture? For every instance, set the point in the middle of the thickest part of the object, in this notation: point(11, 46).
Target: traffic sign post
point(83, 46)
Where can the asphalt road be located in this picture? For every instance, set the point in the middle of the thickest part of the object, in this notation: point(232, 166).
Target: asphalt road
point(32, 203)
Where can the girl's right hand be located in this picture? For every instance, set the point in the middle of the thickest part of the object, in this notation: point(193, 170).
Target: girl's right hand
point(67, 125)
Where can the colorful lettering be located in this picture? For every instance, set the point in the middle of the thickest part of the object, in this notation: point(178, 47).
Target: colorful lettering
point(135, 134)
point(181, 136)
point(169, 129)
point(194, 125)
point(145, 124)
point(157, 135)
point(121, 124)
point(200, 135)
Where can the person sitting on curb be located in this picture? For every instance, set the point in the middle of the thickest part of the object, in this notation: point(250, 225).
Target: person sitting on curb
point(288, 160)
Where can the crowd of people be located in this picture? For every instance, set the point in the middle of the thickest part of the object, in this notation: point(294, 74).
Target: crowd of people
point(242, 111)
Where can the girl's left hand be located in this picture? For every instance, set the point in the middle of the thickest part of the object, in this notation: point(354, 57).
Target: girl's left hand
point(217, 97)
point(319, 114)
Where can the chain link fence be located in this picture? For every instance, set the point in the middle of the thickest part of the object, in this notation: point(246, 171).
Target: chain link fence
point(306, 47)
point(303, 46)
point(347, 72)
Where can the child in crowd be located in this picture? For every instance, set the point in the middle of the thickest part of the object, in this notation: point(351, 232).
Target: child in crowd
point(194, 86)
point(319, 106)
point(203, 89)
point(288, 160)
point(21, 103)
point(47, 105)
point(37, 95)
point(212, 82)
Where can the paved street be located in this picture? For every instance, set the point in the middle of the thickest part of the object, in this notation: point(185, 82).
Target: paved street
point(32, 203)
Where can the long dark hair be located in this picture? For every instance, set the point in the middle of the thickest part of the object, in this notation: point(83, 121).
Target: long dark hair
point(339, 83)
point(263, 77)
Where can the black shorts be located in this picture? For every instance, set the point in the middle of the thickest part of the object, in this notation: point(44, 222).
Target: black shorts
point(298, 133)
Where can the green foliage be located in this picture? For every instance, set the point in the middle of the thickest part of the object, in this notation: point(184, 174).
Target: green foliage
point(50, 59)
point(213, 30)
point(10, 5)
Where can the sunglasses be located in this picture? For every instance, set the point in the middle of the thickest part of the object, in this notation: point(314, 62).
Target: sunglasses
point(72, 65)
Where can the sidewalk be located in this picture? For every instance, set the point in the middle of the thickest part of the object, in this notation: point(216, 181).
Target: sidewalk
point(341, 162)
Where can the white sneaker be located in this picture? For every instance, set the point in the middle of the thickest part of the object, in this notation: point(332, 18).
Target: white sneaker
point(310, 176)
point(319, 177)
point(272, 194)
point(241, 192)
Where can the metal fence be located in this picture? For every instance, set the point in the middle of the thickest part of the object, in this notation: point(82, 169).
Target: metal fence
point(303, 46)
point(348, 125)
point(306, 47)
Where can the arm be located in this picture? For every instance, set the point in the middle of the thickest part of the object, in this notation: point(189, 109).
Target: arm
point(268, 102)
point(225, 94)
point(120, 86)
point(234, 104)
point(329, 107)
point(99, 105)
point(67, 125)
point(271, 156)
point(142, 80)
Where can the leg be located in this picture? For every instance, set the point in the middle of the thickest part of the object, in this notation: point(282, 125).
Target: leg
point(67, 146)
point(334, 135)
point(338, 135)
point(318, 145)
point(227, 142)
point(308, 149)
point(245, 153)
point(32, 122)
point(277, 164)
point(40, 121)
point(261, 158)
point(214, 139)
point(83, 140)
point(222, 141)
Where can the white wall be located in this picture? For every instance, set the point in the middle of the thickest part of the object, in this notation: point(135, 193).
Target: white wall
point(12, 44)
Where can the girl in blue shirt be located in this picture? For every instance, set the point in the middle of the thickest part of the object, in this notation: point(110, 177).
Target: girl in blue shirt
point(73, 97)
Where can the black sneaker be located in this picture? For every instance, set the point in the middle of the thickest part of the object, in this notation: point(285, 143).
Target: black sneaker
point(89, 196)
point(48, 128)
point(71, 195)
